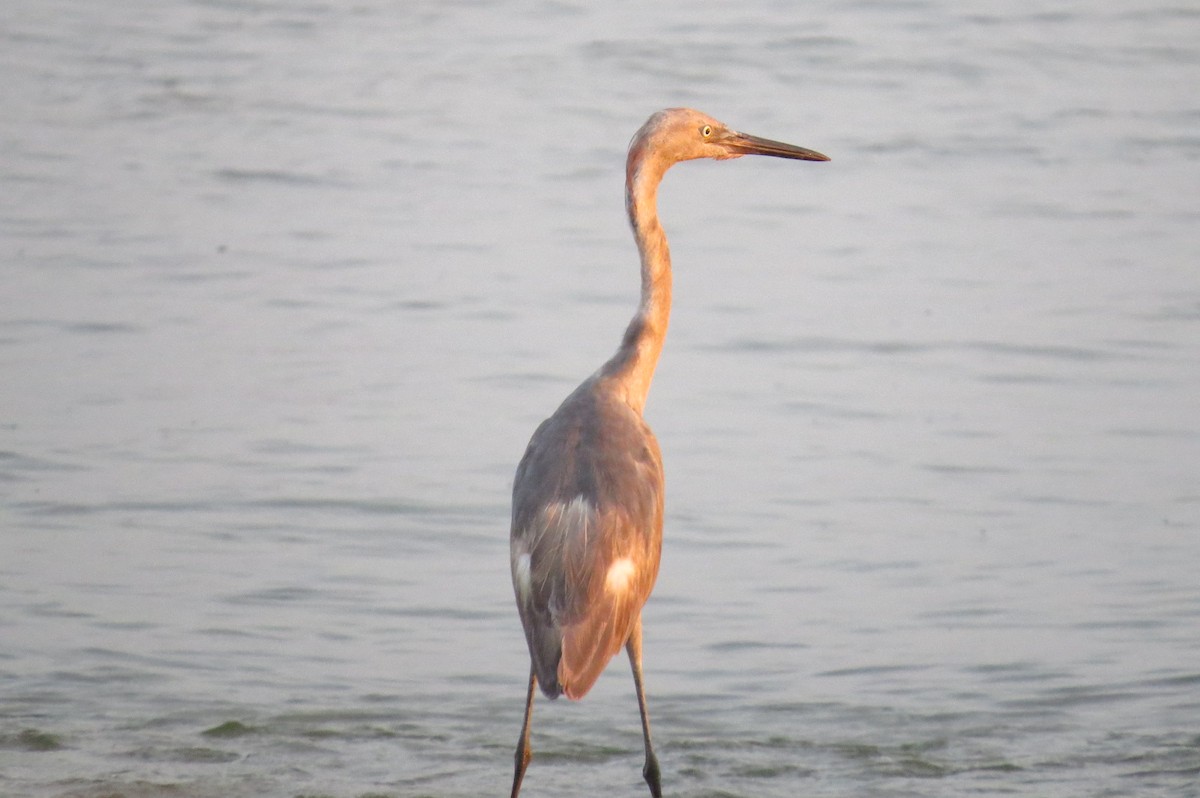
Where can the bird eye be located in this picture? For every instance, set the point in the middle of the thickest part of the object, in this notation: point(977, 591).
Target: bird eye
point(706, 131)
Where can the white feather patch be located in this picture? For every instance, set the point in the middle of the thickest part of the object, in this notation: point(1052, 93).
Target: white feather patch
point(523, 576)
point(619, 574)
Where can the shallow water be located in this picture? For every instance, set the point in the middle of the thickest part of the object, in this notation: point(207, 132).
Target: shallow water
point(287, 287)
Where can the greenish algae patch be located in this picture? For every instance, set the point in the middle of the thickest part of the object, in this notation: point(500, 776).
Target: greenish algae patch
point(34, 740)
point(230, 728)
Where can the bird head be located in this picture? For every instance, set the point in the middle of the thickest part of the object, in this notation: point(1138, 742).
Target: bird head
point(683, 134)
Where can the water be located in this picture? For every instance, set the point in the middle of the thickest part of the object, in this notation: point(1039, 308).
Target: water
point(286, 287)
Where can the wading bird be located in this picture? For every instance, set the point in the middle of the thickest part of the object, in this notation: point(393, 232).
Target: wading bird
point(587, 507)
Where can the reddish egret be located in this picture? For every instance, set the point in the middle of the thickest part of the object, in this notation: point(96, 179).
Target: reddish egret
point(588, 495)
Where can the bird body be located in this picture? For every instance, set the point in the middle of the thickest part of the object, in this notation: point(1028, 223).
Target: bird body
point(587, 508)
point(591, 533)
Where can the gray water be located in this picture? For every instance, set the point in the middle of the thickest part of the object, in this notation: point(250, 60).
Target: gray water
point(286, 287)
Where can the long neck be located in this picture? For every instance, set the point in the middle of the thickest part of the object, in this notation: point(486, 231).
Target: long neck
point(631, 369)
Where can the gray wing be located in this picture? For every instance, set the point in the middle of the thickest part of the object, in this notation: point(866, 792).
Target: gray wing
point(586, 536)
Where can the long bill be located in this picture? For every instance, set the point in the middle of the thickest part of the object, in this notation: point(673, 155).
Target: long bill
point(745, 144)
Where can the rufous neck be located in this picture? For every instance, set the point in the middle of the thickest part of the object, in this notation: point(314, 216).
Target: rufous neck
point(631, 369)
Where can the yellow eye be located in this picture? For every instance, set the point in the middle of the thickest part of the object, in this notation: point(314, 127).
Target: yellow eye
point(706, 131)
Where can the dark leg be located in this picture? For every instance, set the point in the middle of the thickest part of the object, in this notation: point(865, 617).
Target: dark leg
point(524, 752)
point(650, 771)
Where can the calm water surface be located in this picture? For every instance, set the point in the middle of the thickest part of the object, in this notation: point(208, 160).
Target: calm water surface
point(286, 287)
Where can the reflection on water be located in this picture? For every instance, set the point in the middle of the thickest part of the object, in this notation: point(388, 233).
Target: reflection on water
point(287, 287)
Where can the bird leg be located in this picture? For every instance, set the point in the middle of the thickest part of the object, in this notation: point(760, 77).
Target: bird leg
point(633, 646)
point(524, 752)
